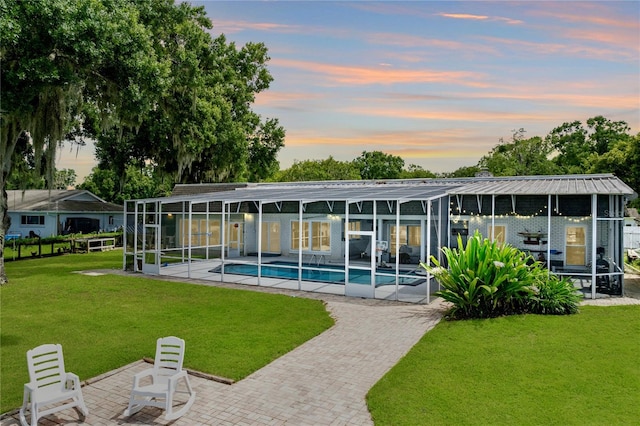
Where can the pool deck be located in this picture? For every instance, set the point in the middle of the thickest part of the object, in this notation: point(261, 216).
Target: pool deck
point(201, 270)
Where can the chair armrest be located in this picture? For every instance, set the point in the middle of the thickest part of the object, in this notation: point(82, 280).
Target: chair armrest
point(73, 378)
point(142, 374)
point(173, 380)
point(27, 395)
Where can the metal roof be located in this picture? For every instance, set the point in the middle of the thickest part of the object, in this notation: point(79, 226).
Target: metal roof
point(58, 200)
point(544, 185)
point(412, 189)
point(201, 188)
point(310, 192)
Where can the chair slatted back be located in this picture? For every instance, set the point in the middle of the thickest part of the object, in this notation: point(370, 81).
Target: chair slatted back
point(46, 365)
point(169, 356)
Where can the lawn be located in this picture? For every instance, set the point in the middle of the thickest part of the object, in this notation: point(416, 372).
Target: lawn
point(520, 370)
point(107, 321)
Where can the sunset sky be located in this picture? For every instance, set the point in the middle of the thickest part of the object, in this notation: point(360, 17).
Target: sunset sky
point(436, 83)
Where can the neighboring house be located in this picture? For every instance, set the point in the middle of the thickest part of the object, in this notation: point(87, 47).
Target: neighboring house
point(367, 238)
point(632, 229)
point(632, 217)
point(45, 213)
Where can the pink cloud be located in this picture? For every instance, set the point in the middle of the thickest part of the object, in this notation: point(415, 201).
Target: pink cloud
point(410, 41)
point(544, 106)
point(628, 40)
point(354, 75)
point(436, 150)
point(590, 13)
point(594, 22)
point(284, 99)
point(464, 16)
point(469, 16)
point(566, 49)
point(608, 101)
point(404, 145)
point(232, 27)
point(440, 114)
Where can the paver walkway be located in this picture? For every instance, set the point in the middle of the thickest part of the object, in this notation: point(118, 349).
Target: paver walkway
point(322, 382)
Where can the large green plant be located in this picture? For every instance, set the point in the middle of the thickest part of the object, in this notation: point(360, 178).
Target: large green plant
point(554, 296)
point(486, 279)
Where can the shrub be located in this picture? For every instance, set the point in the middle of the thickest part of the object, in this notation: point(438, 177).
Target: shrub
point(555, 296)
point(485, 279)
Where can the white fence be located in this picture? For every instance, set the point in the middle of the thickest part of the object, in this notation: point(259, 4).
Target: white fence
point(631, 237)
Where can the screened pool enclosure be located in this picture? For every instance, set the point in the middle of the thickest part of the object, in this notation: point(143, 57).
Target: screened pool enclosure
point(367, 238)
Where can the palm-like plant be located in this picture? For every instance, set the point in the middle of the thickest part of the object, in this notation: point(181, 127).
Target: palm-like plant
point(486, 279)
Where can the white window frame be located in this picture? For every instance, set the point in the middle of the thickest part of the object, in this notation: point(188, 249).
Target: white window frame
point(308, 225)
point(24, 221)
point(567, 245)
point(406, 241)
point(266, 237)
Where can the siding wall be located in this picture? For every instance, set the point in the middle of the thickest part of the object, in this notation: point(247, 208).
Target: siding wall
point(50, 227)
point(556, 237)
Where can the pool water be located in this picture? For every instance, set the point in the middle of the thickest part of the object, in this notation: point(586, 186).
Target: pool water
point(327, 274)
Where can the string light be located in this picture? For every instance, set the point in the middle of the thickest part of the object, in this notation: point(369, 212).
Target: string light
point(476, 217)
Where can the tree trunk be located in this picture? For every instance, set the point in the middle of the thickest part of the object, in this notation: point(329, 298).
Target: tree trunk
point(9, 139)
point(4, 217)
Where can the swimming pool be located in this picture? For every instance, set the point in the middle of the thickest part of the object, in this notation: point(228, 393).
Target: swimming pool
point(324, 273)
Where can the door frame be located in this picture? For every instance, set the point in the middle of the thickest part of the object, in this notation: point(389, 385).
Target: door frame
point(235, 252)
point(361, 289)
point(149, 255)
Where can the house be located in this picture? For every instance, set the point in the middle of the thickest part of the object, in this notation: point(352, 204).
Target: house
point(367, 238)
point(45, 213)
point(632, 229)
point(631, 217)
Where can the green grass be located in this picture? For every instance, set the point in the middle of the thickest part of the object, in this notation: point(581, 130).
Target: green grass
point(520, 370)
point(107, 321)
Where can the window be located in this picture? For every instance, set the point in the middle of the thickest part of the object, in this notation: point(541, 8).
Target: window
point(270, 237)
point(410, 235)
point(193, 225)
point(316, 235)
point(32, 220)
point(295, 237)
point(321, 236)
point(200, 230)
point(234, 235)
point(499, 233)
point(413, 235)
point(110, 220)
point(576, 245)
point(214, 232)
point(355, 227)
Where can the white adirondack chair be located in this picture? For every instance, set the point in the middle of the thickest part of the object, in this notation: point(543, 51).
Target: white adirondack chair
point(165, 376)
point(49, 385)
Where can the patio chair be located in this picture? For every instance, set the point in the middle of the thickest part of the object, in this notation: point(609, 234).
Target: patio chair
point(405, 254)
point(49, 385)
point(165, 377)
